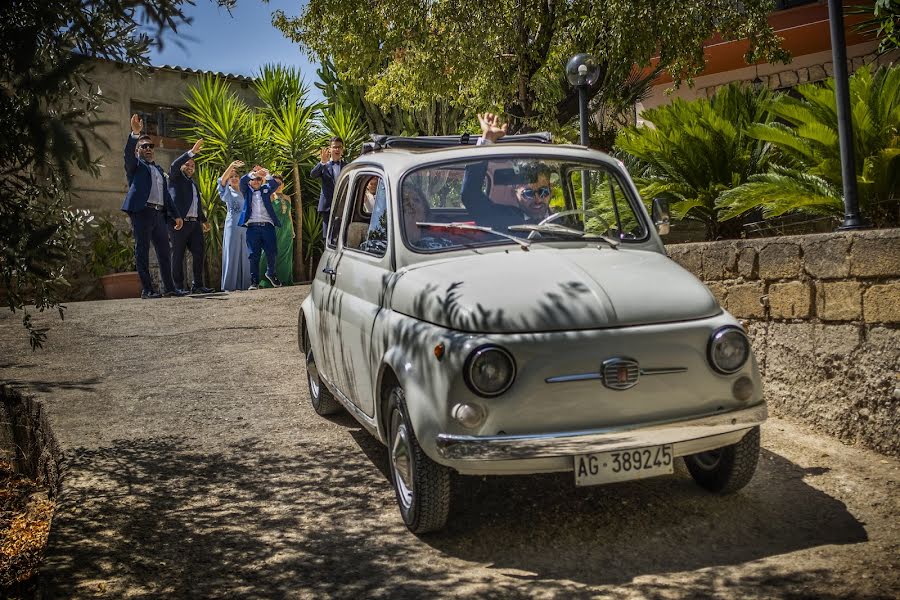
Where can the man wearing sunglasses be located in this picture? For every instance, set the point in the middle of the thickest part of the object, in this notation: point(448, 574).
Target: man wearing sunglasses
point(532, 191)
point(149, 205)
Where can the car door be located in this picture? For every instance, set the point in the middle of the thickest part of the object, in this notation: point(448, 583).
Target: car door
point(362, 274)
point(327, 296)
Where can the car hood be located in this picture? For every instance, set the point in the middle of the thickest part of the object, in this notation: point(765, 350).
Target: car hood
point(551, 289)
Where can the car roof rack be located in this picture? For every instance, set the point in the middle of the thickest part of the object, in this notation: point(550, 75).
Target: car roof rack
point(432, 142)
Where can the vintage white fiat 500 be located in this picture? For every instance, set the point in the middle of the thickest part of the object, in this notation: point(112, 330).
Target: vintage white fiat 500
point(510, 309)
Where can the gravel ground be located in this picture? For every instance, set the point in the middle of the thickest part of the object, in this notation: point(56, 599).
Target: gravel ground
point(195, 467)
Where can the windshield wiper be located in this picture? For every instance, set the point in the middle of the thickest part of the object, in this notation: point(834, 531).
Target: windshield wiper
point(563, 231)
point(470, 227)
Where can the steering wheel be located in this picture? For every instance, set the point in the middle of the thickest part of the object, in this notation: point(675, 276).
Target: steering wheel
point(555, 216)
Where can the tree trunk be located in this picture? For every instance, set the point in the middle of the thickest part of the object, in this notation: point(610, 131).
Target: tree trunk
point(297, 205)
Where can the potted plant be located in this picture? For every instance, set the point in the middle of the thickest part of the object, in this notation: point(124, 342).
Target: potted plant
point(112, 260)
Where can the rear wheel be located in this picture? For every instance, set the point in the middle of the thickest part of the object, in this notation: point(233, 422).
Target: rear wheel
point(323, 402)
point(726, 470)
point(422, 486)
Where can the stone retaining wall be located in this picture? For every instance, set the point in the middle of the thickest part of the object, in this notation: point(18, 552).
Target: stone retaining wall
point(823, 312)
point(27, 441)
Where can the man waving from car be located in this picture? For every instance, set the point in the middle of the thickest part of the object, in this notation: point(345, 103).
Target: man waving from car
point(532, 192)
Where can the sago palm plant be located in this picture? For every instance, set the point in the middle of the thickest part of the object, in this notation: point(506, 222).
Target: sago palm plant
point(695, 151)
point(807, 178)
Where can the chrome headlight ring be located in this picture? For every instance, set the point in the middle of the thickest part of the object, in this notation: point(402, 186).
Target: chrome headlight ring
point(489, 371)
point(728, 349)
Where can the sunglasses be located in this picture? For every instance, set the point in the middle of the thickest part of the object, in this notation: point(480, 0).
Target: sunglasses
point(542, 193)
point(146, 146)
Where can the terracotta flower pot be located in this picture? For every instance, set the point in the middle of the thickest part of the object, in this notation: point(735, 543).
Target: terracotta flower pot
point(121, 285)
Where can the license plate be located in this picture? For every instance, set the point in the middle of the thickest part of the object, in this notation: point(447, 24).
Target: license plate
point(623, 465)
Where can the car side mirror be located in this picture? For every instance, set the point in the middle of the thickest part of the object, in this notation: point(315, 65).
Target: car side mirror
point(660, 214)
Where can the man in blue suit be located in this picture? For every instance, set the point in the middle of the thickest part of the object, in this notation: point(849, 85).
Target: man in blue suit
point(186, 195)
point(149, 205)
point(331, 163)
point(259, 217)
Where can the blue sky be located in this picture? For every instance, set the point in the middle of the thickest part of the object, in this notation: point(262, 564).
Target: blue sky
point(237, 43)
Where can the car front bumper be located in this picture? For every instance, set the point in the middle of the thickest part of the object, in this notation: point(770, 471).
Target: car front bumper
point(688, 436)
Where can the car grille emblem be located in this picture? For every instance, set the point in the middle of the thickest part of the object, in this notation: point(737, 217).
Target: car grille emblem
point(620, 373)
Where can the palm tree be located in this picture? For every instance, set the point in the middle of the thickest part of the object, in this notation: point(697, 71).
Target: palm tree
point(215, 212)
point(696, 151)
point(285, 105)
point(344, 122)
point(807, 177)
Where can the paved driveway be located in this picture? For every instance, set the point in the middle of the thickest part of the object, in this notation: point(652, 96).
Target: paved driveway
point(196, 468)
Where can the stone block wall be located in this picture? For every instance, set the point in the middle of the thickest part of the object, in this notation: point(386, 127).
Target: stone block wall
point(823, 312)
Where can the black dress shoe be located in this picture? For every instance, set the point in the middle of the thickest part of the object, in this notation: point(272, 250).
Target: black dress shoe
point(149, 295)
point(177, 293)
point(199, 289)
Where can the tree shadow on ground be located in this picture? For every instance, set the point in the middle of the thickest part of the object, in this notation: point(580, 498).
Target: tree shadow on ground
point(44, 386)
point(164, 517)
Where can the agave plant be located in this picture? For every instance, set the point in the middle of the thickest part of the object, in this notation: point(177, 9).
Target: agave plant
point(808, 178)
point(696, 151)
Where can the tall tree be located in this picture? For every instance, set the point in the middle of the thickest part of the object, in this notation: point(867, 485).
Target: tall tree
point(47, 111)
point(510, 53)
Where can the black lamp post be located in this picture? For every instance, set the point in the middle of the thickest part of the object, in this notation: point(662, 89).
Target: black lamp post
point(582, 71)
point(852, 218)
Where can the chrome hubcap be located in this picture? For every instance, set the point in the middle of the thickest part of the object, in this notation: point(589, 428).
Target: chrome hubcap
point(401, 462)
point(312, 372)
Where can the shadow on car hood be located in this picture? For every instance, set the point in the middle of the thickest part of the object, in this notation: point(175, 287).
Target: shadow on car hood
point(551, 289)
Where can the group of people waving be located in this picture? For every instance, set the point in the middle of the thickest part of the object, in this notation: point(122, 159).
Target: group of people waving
point(168, 213)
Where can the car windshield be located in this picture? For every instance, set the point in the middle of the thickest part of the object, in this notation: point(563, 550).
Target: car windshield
point(508, 200)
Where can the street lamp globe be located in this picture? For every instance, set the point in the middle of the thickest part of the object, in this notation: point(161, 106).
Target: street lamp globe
point(582, 69)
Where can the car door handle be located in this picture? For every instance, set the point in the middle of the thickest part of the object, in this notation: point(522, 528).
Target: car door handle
point(332, 274)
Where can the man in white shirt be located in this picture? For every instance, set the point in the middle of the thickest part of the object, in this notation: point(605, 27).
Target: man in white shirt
point(186, 195)
point(259, 217)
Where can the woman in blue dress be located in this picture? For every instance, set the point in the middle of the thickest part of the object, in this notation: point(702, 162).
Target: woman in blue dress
point(235, 256)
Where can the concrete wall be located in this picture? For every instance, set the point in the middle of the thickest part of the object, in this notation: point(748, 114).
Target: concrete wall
point(121, 85)
point(823, 312)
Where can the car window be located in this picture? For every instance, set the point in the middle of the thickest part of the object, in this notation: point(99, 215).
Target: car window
point(441, 205)
point(608, 210)
point(366, 227)
point(337, 213)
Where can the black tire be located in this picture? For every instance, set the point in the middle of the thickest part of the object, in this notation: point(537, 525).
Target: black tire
point(727, 469)
point(421, 485)
point(321, 398)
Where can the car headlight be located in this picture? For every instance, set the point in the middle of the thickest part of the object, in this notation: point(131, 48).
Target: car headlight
point(729, 349)
point(489, 371)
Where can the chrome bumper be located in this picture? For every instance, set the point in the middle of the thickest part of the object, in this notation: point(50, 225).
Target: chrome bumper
point(570, 443)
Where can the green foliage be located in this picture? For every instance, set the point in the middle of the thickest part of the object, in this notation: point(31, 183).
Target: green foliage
point(112, 247)
point(696, 151)
point(215, 211)
point(438, 117)
point(883, 22)
point(48, 108)
point(508, 56)
point(344, 122)
point(313, 241)
point(809, 177)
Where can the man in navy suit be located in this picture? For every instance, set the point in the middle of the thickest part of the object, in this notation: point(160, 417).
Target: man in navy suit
point(259, 217)
point(186, 195)
point(331, 163)
point(149, 205)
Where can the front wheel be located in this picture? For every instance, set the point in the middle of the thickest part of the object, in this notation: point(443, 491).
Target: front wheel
point(422, 486)
point(726, 470)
